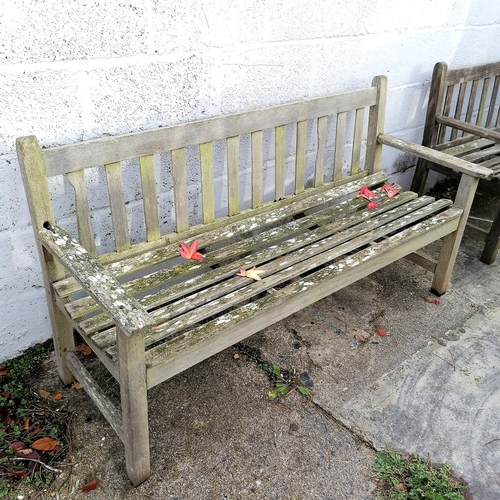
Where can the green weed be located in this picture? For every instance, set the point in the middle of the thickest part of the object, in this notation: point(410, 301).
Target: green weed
point(399, 478)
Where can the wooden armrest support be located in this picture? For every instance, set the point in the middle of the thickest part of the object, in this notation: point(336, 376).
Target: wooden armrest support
point(485, 133)
point(128, 314)
point(465, 167)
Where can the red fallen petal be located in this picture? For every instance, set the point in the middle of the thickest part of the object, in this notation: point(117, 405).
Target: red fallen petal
point(197, 256)
point(241, 272)
point(372, 205)
point(380, 332)
point(366, 193)
point(189, 252)
point(391, 192)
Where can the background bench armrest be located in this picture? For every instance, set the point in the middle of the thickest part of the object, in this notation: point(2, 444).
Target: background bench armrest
point(485, 133)
point(457, 164)
point(127, 313)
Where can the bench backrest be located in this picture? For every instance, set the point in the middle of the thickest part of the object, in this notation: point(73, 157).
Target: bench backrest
point(468, 94)
point(201, 172)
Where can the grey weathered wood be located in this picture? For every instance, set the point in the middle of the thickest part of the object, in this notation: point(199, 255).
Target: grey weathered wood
point(233, 177)
point(133, 392)
point(96, 281)
point(105, 406)
point(478, 144)
point(319, 173)
point(169, 359)
point(117, 203)
point(83, 219)
point(444, 267)
point(339, 146)
point(63, 159)
point(357, 141)
point(309, 244)
point(150, 197)
point(207, 182)
point(279, 163)
point(37, 194)
point(180, 190)
point(300, 156)
point(376, 126)
point(444, 159)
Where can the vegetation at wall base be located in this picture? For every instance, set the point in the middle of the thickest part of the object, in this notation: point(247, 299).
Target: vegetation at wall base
point(412, 478)
point(33, 430)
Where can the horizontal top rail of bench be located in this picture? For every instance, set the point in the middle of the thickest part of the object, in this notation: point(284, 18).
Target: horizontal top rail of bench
point(93, 153)
point(462, 75)
point(487, 133)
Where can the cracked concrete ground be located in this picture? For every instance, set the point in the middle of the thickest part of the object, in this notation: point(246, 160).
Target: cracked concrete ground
point(215, 434)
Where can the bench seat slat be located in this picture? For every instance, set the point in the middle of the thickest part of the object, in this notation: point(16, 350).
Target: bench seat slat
point(304, 201)
point(282, 270)
point(367, 219)
point(170, 358)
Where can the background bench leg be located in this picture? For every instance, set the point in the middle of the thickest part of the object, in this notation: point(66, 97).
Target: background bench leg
point(420, 177)
point(133, 391)
point(64, 341)
point(492, 244)
point(449, 250)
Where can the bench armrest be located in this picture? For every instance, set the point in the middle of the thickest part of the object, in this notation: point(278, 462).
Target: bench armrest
point(457, 164)
point(484, 133)
point(128, 314)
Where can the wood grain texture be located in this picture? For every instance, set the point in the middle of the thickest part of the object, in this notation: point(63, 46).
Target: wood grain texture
point(338, 161)
point(117, 204)
point(257, 169)
point(357, 141)
point(149, 197)
point(180, 190)
point(300, 156)
point(319, 173)
point(279, 166)
point(376, 125)
point(207, 182)
point(233, 174)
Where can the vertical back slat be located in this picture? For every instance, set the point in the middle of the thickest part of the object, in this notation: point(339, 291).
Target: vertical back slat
point(472, 101)
point(279, 168)
point(339, 146)
point(482, 101)
point(207, 182)
point(376, 119)
point(232, 144)
point(300, 156)
point(117, 204)
point(257, 169)
point(459, 107)
point(446, 111)
point(180, 189)
point(83, 219)
point(149, 197)
point(320, 155)
point(491, 107)
point(357, 141)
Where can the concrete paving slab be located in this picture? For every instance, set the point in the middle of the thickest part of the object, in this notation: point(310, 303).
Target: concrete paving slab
point(444, 403)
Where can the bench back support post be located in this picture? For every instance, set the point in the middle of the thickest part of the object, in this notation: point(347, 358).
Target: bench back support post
point(37, 193)
point(376, 126)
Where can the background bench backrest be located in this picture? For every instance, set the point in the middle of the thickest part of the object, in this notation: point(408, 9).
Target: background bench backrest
point(468, 94)
point(138, 188)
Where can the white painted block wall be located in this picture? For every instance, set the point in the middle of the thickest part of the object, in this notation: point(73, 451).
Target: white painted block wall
point(80, 69)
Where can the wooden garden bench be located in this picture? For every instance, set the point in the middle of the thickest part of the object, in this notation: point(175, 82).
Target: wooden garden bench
point(149, 314)
point(463, 120)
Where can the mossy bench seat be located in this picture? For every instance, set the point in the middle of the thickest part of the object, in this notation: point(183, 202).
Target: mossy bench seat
point(148, 313)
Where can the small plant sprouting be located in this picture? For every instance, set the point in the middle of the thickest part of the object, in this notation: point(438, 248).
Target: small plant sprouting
point(412, 478)
point(285, 383)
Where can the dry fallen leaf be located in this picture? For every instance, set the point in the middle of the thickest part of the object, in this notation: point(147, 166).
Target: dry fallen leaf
point(18, 474)
point(57, 397)
point(84, 349)
point(36, 430)
point(236, 356)
point(44, 394)
point(26, 424)
point(380, 332)
point(190, 252)
point(24, 451)
point(92, 485)
point(17, 445)
point(44, 444)
point(76, 385)
point(251, 273)
point(431, 301)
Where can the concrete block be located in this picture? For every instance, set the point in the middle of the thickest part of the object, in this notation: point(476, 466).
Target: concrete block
point(135, 97)
point(44, 104)
point(48, 31)
point(406, 106)
point(13, 206)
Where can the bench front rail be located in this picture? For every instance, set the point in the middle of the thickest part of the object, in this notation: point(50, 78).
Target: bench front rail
point(149, 314)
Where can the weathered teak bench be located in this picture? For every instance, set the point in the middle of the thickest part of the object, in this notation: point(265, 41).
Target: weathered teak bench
point(463, 120)
point(147, 313)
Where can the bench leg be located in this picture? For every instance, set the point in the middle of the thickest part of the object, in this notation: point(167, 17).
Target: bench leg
point(449, 250)
point(492, 244)
point(64, 341)
point(420, 177)
point(133, 390)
